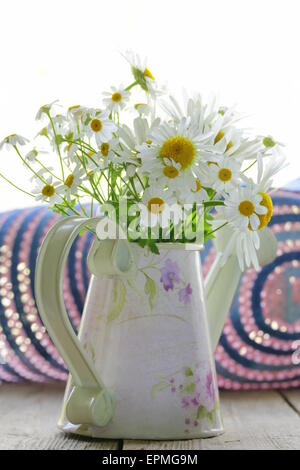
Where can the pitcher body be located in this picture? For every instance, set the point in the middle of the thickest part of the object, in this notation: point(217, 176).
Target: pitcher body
point(149, 342)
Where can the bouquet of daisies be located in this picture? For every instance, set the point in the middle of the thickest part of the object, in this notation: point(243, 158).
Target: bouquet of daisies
point(143, 147)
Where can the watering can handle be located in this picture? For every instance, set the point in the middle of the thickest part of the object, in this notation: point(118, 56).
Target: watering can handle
point(90, 402)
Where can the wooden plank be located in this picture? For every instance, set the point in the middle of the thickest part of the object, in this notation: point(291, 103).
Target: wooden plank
point(28, 415)
point(252, 420)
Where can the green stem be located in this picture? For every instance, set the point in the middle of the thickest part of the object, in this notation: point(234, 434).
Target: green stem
point(131, 86)
point(213, 203)
point(28, 166)
point(215, 230)
point(57, 146)
point(49, 171)
point(248, 168)
point(15, 186)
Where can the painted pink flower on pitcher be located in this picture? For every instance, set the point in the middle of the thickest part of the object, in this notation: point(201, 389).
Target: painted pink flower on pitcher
point(169, 274)
point(209, 387)
point(185, 294)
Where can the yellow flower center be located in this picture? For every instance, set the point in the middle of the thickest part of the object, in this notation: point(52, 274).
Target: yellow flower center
point(76, 106)
point(198, 187)
point(170, 171)
point(225, 174)
point(149, 141)
point(155, 205)
point(96, 125)
point(180, 150)
point(265, 218)
point(116, 97)
point(104, 149)
point(246, 208)
point(69, 180)
point(48, 190)
point(219, 136)
point(148, 74)
point(229, 145)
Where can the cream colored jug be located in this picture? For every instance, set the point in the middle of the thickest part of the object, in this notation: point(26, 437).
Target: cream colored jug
point(142, 366)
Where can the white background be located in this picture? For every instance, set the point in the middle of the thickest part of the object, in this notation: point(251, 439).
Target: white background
point(245, 50)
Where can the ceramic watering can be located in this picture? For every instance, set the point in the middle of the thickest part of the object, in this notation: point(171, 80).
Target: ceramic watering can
point(142, 365)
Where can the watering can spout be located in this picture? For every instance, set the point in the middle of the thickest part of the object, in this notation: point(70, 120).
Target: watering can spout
point(222, 280)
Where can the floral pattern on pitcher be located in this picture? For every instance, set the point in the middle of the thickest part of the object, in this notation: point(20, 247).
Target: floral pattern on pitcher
point(195, 392)
point(171, 280)
point(151, 276)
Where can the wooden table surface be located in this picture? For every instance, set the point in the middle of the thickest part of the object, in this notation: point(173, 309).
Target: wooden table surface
point(252, 420)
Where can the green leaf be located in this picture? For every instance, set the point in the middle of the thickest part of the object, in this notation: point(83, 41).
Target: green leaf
point(188, 388)
point(188, 372)
point(59, 139)
point(150, 290)
point(212, 416)
point(118, 301)
point(201, 412)
point(159, 387)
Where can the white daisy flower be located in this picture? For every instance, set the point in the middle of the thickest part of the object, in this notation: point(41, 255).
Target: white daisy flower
point(42, 173)
point(224, 175)
point(107, 153)
point(141, 72)
point(71, 153)
point(195, 193)
point(76, 116)
point(129, 139)
point(45, 109)
point(72, 181)
point(243, 208)
point(267, 172)
point(144, 109)
point(175, 155)
point(271, 146)
point(33, 154)
point(48, 191)
point(156, 206)
point(100, 126)
point(13, 140)
point(116, 99)
point(232, 239)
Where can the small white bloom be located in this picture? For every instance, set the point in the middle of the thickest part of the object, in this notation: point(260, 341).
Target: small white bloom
point(144, 109)
point(116, 99)
point(71, 149)
point(243, 208)
point(271, 146)
point(140, 134)
point(156, 207)
point(190, 194)
point(175, 155)
point(43, 173)
point(100, 126)
point(45, 109)
point(13, 140)
point(224, 175)
point(48, 191)
point(72, 181)
point(141, 72)
point(33, 154)
point(108, 153)
point(235, 240)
